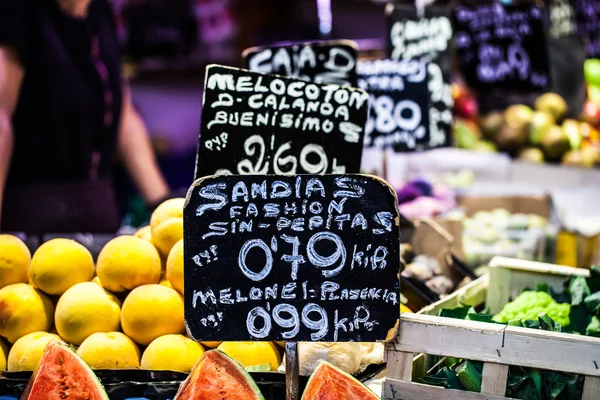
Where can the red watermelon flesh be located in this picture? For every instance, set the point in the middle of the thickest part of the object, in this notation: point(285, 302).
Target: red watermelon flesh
point(218, 377)
point(63, 375)
point(329, 383)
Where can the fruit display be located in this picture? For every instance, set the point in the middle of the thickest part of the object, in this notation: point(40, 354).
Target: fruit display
point(123, 312)
point(498, 232)
point(329, 382)
point(574, 310)
point(427, 270)
point(539, 134)
point(217, 375)
point(62, 374)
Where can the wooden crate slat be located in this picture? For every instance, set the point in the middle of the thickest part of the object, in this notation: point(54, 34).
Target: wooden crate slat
point(498, 344)
point(400, 364)
point(535, 266)
point(400, 390)
point(494, 378)
point(591, 388)
point(473, 294)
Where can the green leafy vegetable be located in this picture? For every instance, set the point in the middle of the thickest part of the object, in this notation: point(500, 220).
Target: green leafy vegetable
point(593, 329)
point(579, 290)
point(456, 313)
point(548, 324)
point(594, 279)
point(580, 318)
point(469, 376)
point(530, 304)
point(536, 377)
point(592, 303)
point(554, 383)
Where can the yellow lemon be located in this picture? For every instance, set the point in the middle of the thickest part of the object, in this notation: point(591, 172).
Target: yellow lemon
point(165, 282)
point(253, 353)
point(211, 345)
point(23, 310)
point(151, 311)
point(27, 352)
point(3, 355)
point(84, 309)
point(172, 353)
point(110, 350)
point(144, 233)
point(405, 309)
point(166, 225)
point(96, 280)
point(167, 234)
point(59, 264)
point(14, 260)
point(175, 267)
point(127, 262)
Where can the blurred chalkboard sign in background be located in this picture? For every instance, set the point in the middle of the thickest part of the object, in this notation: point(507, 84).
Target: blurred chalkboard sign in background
point(500, 45)
point(426, 35)
point(399, 111)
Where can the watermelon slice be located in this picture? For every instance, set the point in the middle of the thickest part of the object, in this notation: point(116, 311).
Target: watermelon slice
point(329, 383)
point(216, 376)
point(63, 375)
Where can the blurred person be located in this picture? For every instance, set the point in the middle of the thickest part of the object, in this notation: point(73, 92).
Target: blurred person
point(65, 116)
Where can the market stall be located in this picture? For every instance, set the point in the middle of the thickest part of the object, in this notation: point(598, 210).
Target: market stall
point(407, 217)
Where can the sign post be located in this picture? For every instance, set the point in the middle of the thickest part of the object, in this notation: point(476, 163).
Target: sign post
point(291, 258)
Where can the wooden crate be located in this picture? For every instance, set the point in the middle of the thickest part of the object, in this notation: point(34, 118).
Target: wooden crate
point(498, 346)
point(509, 277)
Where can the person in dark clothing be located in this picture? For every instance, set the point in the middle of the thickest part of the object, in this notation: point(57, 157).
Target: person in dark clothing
point(65, 116)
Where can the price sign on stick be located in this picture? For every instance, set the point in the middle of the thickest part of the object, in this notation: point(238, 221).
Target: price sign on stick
point(502, 46)
point(266, 124)
point(426, 36)
point(291, 258)
point(399, 112)
point(321, 62)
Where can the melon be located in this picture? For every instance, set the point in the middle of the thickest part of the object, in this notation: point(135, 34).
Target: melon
point(331, 383)
point(217, 376)
point(63, 375)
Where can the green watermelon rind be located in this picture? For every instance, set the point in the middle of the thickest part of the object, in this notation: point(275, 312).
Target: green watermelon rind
point(245, 374)
point(324, 364)
point(75, 357)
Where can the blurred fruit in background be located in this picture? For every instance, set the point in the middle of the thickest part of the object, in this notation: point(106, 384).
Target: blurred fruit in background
point(535, 135)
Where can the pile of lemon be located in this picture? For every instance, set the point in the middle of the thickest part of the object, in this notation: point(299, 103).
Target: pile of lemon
point(123, 312)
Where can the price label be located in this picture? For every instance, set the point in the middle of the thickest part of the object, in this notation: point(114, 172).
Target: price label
point(297, 258)
point(265, 124)
point(588, 24)
point(321, 62)
point(399, 112)
point(426, 38)
point(502, 46)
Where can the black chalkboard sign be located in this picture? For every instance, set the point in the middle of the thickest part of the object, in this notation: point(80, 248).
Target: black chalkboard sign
point(399, 112)
point(562, 18)
point(588, 24)
point(294, 258)
point(426, 37)
point(502, 46)
point(266, 124)
point(321, 62)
